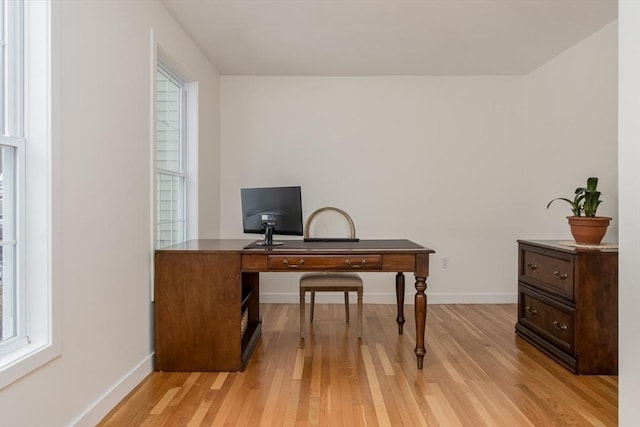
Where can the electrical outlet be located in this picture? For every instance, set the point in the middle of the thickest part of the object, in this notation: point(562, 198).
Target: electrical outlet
point(445, 262)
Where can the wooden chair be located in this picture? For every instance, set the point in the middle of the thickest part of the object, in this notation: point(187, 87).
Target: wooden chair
point(330, 282)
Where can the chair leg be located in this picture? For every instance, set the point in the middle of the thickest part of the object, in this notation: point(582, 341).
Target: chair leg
point(302, 304)
point(346, 306)
point(313, 302)
point(360, 314)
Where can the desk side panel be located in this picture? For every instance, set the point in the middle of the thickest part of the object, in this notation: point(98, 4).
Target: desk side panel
point(197, 311)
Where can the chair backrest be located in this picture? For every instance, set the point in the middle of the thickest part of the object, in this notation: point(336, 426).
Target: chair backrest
point(314, 214)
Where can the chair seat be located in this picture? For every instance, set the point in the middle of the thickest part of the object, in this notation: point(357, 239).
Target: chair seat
point(330, 280)
point(321, 282)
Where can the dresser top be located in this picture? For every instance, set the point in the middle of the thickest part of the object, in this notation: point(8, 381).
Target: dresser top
point(570, 247)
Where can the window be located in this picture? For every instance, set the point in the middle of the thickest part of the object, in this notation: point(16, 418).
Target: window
point(13, 333)
point(29, 303)
point(171, 159)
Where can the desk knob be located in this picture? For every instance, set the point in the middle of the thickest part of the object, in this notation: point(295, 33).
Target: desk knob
point(286, 262)
point(352, 265)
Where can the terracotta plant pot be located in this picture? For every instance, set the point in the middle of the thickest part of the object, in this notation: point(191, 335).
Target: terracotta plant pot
point(588, 230)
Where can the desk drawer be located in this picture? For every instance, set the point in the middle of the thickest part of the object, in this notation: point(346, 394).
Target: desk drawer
point(325, 262)
point(549, 318)
point(549, 269)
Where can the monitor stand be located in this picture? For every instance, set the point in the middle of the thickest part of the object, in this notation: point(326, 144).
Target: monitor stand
point(268, 236)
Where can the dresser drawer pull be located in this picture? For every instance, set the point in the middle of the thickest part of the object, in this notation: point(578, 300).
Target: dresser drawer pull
point(350, 264)
point(286, 262)
point(559, 327)
point(560, 276)
point(531, 311)
point(532, 266)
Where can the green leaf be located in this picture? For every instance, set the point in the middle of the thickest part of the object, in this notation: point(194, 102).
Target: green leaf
point(586, 199)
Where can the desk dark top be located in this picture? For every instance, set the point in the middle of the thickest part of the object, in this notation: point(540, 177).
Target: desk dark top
point(297, 246)
point(208, 245)
point(361, 245)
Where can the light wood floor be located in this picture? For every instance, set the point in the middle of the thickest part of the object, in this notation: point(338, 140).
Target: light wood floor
point(476, 372)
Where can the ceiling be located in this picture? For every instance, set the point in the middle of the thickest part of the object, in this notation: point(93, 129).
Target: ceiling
point(387, 37)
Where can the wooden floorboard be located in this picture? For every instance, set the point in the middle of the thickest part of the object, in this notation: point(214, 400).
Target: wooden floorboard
point(476, 372)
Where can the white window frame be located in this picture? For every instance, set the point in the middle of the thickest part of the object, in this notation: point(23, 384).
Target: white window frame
point(38, 209)
point(15, 317)
point(182, 171)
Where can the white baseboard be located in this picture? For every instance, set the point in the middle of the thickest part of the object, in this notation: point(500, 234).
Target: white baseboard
point(101, 407)
point(390, 298)
point(472, 298)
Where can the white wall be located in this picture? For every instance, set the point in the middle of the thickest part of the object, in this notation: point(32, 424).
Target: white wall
point(465, 165)
point(105, 210)
point(629, 293)
point(570, 130)
point(407, 157)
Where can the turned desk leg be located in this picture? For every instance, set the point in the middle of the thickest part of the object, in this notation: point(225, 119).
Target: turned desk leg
point(302, 315)
point(400, 301)
point(421, 317)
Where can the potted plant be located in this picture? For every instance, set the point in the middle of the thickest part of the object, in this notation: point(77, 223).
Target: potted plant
point(586, 227)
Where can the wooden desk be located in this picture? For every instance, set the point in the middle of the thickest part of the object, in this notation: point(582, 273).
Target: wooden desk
point(203, 286)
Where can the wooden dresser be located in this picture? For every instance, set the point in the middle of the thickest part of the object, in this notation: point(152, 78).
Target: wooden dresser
point(568, 304)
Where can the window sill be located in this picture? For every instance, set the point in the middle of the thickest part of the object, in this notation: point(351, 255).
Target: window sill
point(27, 359)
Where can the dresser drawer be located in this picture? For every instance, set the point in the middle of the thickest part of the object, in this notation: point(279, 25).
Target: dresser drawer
point(548, 318)
point(325, 262)
point(552, 271)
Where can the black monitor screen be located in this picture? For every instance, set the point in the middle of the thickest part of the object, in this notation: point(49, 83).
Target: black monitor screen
point(277, 207)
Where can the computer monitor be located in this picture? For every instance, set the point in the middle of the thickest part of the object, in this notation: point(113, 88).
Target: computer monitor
point(272, 210)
